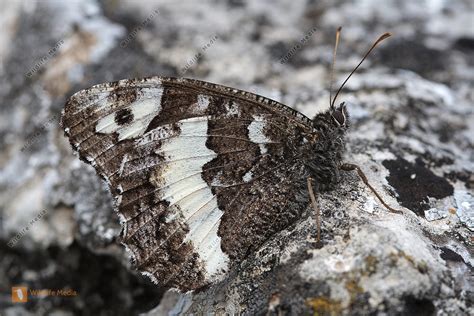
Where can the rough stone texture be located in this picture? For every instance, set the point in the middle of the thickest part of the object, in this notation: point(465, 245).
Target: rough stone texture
point(412, 117)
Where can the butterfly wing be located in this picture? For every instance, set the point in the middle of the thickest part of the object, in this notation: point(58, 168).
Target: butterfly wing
point(201, 173)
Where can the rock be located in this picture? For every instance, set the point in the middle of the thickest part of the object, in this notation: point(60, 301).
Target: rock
point(412, 133)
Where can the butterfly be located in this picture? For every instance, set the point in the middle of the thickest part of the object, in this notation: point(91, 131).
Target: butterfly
point(202, 174)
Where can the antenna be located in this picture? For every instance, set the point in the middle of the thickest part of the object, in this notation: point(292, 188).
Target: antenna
point(331, 78)
point(381, 38)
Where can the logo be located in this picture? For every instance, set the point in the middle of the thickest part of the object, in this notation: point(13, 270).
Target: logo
point(19, 294)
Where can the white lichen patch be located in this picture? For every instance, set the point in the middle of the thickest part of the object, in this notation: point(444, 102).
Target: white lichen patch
point(465, 208)
point(380, 260)
point(434, 214)
point(339, 264)
point(370, 206)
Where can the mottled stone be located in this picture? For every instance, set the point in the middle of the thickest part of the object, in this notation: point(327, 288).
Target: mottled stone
point(406, 113)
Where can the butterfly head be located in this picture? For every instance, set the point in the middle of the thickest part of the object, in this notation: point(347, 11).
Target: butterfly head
point(339, 115)
point(332, 123)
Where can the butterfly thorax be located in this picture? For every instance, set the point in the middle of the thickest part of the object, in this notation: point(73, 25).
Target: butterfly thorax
point(327, 151)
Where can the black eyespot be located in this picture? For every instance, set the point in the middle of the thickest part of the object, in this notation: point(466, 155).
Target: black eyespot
point(123, 116)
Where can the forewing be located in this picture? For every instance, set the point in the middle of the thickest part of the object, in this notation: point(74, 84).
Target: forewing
point(202, 174)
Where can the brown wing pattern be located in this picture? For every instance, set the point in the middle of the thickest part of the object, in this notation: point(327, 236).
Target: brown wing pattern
point(201, 173)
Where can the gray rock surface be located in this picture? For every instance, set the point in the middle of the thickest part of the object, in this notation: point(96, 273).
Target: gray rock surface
point(412, 115)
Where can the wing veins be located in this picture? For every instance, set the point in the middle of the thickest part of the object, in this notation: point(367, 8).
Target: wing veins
point(169, 161)
point(172, 234)
point(156, 215)
point(207, 169)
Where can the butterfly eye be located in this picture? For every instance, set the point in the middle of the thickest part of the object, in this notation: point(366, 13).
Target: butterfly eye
point(339, 117)
point(339, 114)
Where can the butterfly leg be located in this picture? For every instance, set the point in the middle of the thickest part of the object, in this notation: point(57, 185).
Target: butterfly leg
point(351, 167)
point(315, 207)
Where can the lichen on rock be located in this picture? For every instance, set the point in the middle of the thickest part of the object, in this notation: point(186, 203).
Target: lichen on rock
point(412, 130)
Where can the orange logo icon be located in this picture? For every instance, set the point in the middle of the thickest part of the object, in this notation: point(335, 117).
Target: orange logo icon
point(19, 294)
